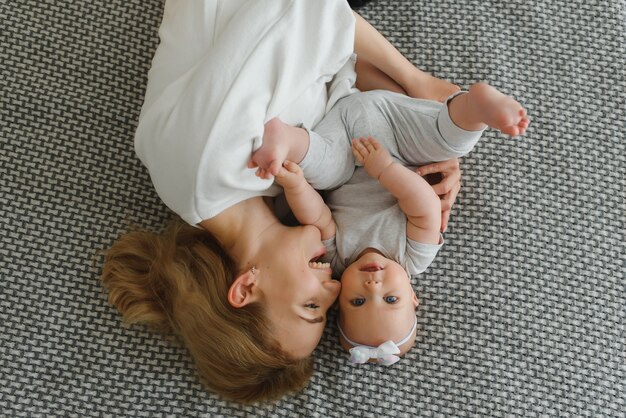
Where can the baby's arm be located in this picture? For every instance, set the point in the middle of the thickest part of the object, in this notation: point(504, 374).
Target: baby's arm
point(416, 198)
point(305, 202)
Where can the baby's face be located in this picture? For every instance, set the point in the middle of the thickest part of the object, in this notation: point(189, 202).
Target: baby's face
point(377, 302)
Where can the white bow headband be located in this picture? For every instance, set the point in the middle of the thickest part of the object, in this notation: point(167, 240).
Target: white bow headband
point(385, 353)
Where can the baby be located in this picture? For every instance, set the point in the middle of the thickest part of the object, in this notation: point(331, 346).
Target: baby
point(385, 217)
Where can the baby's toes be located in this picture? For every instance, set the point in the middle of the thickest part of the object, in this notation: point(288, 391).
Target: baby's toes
point(523, 125)
point(266, 175)
point(511, 130)
point(274, 167)
point(523, 113)
point(522, 129)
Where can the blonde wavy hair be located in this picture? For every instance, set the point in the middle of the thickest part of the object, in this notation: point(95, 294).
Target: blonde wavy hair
point(178, 282)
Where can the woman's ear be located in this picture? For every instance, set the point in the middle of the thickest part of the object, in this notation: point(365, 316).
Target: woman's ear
point(244, 290)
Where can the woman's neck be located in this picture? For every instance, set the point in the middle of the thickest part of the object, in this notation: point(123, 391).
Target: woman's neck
point(239, 228)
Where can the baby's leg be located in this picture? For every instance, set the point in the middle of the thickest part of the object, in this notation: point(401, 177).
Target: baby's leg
point(485, 106)
point(329, 162)
point(414, 131)
point(323, 154)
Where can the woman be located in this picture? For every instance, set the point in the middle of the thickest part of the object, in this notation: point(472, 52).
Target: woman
point(244, 292)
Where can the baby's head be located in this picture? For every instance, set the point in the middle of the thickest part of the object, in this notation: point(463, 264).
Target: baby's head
point(376, 304)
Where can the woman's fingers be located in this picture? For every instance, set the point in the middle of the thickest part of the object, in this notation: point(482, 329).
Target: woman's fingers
point(446, 209)
point(447, 201)
point(447, 166)
point(446, 184)
point(450, 198)
point(445, 217)
point(449, 170)
point(448, 188)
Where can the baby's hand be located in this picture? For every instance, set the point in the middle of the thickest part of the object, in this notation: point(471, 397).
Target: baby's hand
point(372, 155)
point(290, 176)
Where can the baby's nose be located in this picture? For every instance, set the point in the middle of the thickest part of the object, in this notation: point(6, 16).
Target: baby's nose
point(372, 282)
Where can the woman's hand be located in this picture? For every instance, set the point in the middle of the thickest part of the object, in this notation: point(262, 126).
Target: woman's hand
point(447, 188)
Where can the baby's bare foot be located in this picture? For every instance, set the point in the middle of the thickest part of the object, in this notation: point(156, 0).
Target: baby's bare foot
point(270, 157)
point(498, 110)
point(429, 87)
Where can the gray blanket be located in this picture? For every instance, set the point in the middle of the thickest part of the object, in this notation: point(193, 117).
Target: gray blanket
point(522, 314)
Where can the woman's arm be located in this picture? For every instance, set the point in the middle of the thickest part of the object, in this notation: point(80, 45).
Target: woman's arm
point(382, 66)
point(370, 77)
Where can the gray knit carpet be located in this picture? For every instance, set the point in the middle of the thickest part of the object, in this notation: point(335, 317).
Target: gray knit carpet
point(522, 314)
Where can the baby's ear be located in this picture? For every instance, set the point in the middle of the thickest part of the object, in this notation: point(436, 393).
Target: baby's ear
point(244, 290)
point(415, 301)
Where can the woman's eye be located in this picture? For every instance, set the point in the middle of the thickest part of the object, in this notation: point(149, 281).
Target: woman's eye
point(311, 306)
point(391, 299)
point(357, 301)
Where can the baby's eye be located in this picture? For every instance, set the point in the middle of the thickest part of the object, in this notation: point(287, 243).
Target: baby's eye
point(357, 301)
point(391, 299)
point(312, 305)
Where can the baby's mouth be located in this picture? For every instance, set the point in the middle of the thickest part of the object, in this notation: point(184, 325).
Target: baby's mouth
point(371, 267)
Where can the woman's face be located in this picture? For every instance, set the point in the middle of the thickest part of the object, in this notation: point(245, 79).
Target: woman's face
point(297, 290)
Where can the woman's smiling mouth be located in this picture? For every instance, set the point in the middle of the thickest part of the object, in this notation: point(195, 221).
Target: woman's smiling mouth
point(318, 265)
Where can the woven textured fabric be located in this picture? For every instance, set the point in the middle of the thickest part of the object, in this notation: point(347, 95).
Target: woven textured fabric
point(523, 312)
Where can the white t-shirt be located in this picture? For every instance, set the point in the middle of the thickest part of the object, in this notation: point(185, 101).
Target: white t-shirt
point(222, 69)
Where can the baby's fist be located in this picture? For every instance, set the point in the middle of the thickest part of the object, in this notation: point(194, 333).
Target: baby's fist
point(373, 156)
point(290, 175)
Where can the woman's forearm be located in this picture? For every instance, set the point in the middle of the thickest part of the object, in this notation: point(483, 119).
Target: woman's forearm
point(372, 47)
point(370, 77)
point(381, 66)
